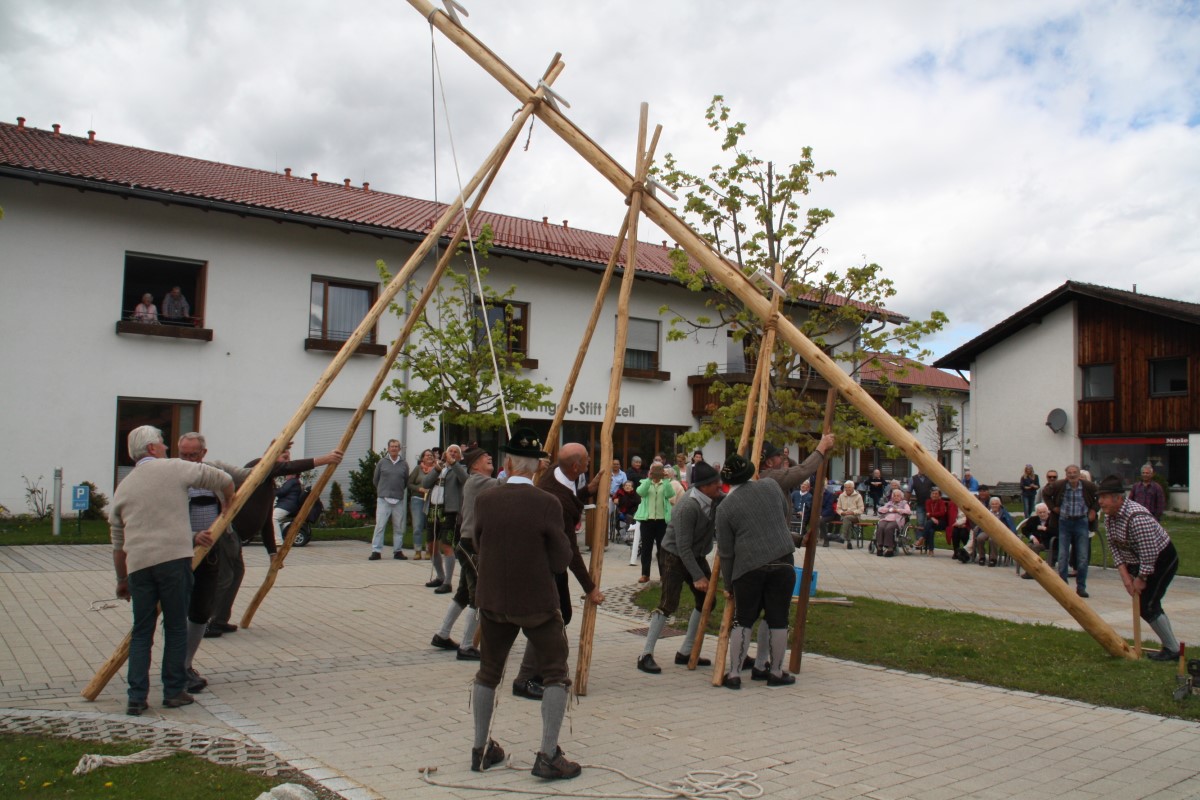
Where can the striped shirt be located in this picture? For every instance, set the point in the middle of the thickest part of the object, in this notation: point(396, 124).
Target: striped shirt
point(1136, 537)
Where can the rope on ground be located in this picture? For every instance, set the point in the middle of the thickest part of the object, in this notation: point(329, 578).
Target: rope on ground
point(94, 761)
point(100, 605)
point(695, 785)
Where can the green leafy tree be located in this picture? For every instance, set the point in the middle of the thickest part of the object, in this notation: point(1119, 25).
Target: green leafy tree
point(337, 503)
point(96, 503)
point(448, 359)
point(755, 215)
point(362, 484)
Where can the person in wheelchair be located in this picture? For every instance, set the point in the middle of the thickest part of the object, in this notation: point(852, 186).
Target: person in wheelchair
point(893, 516)
point(850, 507)
point(985, 549)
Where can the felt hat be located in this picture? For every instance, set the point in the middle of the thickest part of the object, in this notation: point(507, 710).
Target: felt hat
point(1111, 485)
point(703, 474)
point(737, 469)
point(472, 455)
point(769, 451)
point(524, 442)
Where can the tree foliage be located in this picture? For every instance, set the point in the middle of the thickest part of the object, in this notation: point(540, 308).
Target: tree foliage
point(362, 483)
point(448, 360)
point(757, 216)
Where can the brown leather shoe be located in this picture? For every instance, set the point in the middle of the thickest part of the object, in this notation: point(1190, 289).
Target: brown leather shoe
point(178, 701)
point(556, 767)
point(489, 755)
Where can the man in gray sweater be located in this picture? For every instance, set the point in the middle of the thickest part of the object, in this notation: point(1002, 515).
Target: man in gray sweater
point(390, 479)
point(757, 561)
point(685, 547)
point(152, 553)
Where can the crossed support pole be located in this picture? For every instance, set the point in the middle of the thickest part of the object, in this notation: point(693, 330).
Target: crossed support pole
point(731, 277)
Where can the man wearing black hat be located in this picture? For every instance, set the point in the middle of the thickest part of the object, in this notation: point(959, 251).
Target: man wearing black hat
point(1144, 556)
point(757, 561)
point(687, 543)
point(519, 535)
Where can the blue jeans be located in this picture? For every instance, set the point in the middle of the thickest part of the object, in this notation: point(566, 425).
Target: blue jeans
point(919, 510)
point(1073, 536)
point(397, 513)
point(417, 507)
point(168, 585)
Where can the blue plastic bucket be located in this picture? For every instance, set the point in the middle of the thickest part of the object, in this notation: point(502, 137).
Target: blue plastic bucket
point(812, 586)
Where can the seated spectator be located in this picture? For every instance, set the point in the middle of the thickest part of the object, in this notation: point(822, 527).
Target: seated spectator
point(1038, 530)
point(802, 501)
point(829, 513)
point(288, 498)
point(850, 507)
point(983, 540)
point(937, 518)
point(893, 516)
point(175, 308)
point(626, 500)
point(146, 311)
point(981, 550)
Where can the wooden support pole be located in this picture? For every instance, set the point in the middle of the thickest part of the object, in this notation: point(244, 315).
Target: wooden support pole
point(587, 627)
point(710, 596)
point(110, 667)
point(729, 276)
point(1137, 625)
point(491, 170)
point(810, 543)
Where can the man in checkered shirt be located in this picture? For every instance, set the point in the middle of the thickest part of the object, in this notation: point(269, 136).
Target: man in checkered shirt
point(1145, 557)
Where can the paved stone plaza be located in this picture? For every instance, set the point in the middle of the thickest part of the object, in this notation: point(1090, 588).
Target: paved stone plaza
point(337, 676)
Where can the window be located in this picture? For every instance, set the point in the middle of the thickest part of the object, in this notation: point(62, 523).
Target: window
point(516, 327)
point(947, 418)
point(1168, 376)
point(1098, 382)
point(173, 417)
point(641, 350)
point(175, 314)
point(336, 308)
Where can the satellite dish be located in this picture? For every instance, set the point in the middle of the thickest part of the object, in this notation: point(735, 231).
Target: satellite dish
point(1057, 420)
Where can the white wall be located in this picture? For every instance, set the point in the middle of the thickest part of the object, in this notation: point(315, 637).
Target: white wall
point(1014, 386)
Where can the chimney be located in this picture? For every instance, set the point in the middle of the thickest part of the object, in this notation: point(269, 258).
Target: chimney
point(545, 220)
point(91, 137)
point(56, 126)
point(314, 177)
point(20, 123)
point(366, 186)
point(287, 172)
point(565, 225)
point(346, 181)
point(664, 244)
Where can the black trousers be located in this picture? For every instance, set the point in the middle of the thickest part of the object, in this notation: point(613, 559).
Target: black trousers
point(766, 590)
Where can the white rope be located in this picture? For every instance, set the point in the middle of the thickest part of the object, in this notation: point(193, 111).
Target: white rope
point(100, 605)
point(695, 785)
point(93, 761)
point(470, 236)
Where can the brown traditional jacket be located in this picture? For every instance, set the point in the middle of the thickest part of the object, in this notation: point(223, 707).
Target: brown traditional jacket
point(518, 530)
point(572, 513)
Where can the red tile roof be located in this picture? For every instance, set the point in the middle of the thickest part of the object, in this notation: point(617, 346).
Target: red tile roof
point(115, 167)
point(917, 374)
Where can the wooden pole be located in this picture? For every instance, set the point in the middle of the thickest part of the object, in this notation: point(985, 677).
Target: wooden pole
point(110, 667)
point(810, 543)
point(729, 276)
point(710, 596)
point(766, 354)
point(493, 169)
point(641, 164)
point(1137, 625)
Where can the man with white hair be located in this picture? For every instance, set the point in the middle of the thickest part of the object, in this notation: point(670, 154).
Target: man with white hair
point(1149, 494)
point(152, 554)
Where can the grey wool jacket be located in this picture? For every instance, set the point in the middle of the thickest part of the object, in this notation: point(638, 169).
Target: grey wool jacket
point(752, 528)
point(690, 533)
point(390, 479)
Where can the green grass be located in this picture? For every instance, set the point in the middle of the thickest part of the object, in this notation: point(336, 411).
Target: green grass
point(37, 766)
point(1041, 659)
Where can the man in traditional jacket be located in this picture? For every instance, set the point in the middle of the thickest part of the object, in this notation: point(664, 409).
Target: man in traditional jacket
point(521, 546)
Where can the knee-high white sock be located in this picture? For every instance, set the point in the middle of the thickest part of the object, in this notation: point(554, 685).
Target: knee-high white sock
point(470, 623)
point(778, 646)
point(195, 635)
point(554, 708)
point(448, 621)
point(482, 700)
point(762, 654)
point(657, 622)
point(689, 638)
point(739, 643)
point(1162, 626)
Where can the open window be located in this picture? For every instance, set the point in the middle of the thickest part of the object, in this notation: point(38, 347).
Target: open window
point(173, 417)
point(516, 327)
point(641, 350)
point(163, 296)
point(336, 308)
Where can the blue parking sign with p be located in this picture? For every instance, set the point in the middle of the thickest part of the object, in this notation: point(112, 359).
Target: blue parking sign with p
point(80, 497)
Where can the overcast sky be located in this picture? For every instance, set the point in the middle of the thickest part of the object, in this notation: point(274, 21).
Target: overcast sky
point(985, 151)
